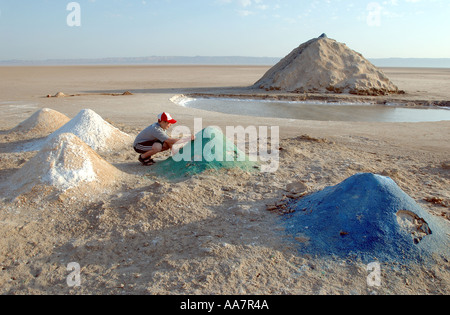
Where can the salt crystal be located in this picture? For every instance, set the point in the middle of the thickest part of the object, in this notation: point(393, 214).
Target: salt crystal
point(93, 130)
point(65, 162)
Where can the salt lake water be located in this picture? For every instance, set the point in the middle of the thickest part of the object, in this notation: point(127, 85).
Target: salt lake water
point(314, 110)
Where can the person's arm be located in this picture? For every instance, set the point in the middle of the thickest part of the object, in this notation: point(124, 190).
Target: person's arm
point(178, 141)
point(172, 141)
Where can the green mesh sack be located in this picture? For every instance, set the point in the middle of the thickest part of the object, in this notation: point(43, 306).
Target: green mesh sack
point(211, 150)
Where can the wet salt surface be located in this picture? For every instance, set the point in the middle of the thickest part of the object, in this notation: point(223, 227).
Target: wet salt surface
point(319, 111)
point(12, 105)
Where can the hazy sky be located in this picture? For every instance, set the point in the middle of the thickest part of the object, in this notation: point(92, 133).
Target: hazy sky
point(46, 29)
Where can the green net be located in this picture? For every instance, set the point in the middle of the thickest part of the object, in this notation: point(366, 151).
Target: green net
point(211, 150)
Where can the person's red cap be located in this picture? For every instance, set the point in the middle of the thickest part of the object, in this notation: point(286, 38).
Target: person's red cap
point(166, 117)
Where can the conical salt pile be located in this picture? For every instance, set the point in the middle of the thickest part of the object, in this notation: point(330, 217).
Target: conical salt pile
point(211, 150)
point(42, 123)
point(370, 217)
point(65, 162)
point(93, 130)
point(325, 65)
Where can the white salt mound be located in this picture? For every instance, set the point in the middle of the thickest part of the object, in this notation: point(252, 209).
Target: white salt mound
point(42, 123)
point(97, 133)
point(325, 65)
point(60, 94)
point(65, 162)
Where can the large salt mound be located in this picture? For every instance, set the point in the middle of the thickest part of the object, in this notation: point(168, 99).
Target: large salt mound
point(42, 123)
point(324, 65)
point(93, 130)
point(65, 162)
point(370, 217)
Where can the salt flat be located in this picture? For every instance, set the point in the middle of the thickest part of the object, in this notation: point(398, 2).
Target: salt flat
point(207, 234)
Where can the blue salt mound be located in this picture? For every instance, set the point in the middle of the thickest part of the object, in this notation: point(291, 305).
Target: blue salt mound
point(368, 217)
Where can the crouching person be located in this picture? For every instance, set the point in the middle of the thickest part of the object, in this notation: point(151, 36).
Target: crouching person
point(154, 139)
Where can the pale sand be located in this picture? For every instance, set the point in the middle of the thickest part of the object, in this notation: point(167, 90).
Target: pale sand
point(209, 234)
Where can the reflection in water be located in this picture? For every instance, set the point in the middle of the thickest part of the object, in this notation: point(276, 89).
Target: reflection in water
point(319, 111)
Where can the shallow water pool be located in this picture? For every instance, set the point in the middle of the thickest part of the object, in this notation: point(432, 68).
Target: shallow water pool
point(311, 110)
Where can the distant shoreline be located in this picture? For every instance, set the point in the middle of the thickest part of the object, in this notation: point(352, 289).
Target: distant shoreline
point(217, 61)
point(411, 62)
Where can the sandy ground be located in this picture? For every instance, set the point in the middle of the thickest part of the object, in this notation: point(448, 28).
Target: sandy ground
point(212, 233)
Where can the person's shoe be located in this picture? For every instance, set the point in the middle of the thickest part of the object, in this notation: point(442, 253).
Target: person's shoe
point(146, 162)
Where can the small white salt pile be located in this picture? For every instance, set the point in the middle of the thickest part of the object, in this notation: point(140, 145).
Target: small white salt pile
point(60, 94)
point(97, 133)
point(325, 65)
point(41, 123)
point(65, 162)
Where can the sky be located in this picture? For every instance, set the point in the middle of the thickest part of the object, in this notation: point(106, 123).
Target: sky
point(61, 29)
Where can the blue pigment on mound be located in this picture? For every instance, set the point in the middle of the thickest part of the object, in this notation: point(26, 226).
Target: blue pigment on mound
point(359, 218)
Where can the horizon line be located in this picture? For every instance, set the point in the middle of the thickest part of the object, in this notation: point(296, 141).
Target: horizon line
point(213, 60)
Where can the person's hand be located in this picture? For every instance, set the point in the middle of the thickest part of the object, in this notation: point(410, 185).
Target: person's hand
point(192, 138)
